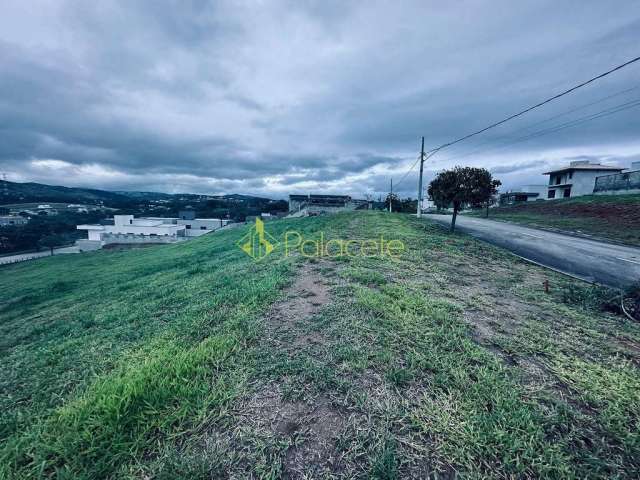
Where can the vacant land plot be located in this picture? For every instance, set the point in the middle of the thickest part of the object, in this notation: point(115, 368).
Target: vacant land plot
point(194, 361)
point(614, 217)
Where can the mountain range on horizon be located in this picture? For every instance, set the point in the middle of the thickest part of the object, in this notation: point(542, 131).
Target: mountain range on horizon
point(16, 192)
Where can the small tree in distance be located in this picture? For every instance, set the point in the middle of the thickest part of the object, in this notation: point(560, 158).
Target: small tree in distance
point(51, 241)
point(395, 202)
point(462, 186)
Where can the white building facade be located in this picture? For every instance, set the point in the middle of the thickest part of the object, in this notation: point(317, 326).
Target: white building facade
point(12, 220)
point(577, 179)
point(129, 230)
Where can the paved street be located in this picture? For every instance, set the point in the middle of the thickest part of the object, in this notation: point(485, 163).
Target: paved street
point(608, 264)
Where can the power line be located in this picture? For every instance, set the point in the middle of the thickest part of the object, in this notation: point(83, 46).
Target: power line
point(548, 119)
point(426, 157)
point(408, 171)
point(433, 151)
point(537, 105)
point(578, 121)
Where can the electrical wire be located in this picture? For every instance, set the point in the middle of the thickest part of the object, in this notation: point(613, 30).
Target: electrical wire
point(426, 157)
point(554, 117)
point(537, 105)
point(594, 116)
point(433, 151)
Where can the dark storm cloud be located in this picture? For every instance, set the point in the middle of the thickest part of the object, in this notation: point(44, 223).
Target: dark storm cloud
point(515, 168)
point(278, 97)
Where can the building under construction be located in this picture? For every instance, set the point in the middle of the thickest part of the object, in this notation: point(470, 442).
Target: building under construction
point(317, 204)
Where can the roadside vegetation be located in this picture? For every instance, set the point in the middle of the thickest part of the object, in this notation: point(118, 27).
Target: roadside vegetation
point(609, 217)
point(194, 361)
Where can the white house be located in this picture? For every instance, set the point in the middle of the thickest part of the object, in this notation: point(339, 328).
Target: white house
point(11, 220)
point(577, 179)
point(129, 230)
point(194, 227)
point(525, 193)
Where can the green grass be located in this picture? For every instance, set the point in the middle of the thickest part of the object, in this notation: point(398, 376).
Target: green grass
point(166, 363)
point(612, 217)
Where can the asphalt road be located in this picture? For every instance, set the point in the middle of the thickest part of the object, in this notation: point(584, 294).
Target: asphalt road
point(604, 263)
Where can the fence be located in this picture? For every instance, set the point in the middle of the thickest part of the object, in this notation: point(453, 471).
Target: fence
point(10, 259)
point(619, 182)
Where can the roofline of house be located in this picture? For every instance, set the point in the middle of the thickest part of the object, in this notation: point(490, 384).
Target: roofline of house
point(520, 193)
point(603, 168)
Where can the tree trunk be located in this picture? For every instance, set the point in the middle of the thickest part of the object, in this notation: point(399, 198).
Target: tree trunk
point(52, 251)
point(486, 213)
point(453, 218)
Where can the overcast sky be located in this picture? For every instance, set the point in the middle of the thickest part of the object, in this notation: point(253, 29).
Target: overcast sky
point(272, 98)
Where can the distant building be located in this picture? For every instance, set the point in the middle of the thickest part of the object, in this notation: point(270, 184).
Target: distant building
point(577, 179)
point(12, 220)
point(187, 215)
point(625, 182)
point(129, 230)
point(525, 193)
point(296, 202)
point(315, 204)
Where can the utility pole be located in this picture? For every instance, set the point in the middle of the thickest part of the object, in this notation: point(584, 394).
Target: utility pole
point(5, 185)
point(391, 196)
point(419, 212)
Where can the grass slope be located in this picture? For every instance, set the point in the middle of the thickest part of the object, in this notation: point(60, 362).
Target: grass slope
point(613, 217)
point(174, 362)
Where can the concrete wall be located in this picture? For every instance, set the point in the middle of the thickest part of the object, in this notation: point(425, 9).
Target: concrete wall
point(122, 220)
point(295, 205)
point(109, 238)
point(201, 226)
point(88, 245)
point(94, 235)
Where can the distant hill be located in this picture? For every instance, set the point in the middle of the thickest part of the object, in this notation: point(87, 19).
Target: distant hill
point(236, 196)
point(13, 192)
point(145, 195)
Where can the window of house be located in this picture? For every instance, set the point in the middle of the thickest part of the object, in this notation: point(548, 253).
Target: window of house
point(567, 193)
point(203, 228)
point(558, 179)
point(552, 194)
point(570, 174)
point(188, 227)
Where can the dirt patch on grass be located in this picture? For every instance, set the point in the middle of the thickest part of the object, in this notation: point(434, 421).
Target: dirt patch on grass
point(310, 427)
point(288, 321)
point(318, 426)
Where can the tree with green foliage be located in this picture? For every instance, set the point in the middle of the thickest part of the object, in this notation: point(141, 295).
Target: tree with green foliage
point(51, 241)
point(394, 200)
point(462, 186)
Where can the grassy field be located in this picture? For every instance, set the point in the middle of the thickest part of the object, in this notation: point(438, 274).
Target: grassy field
point(612, 217)
point(194, 361)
